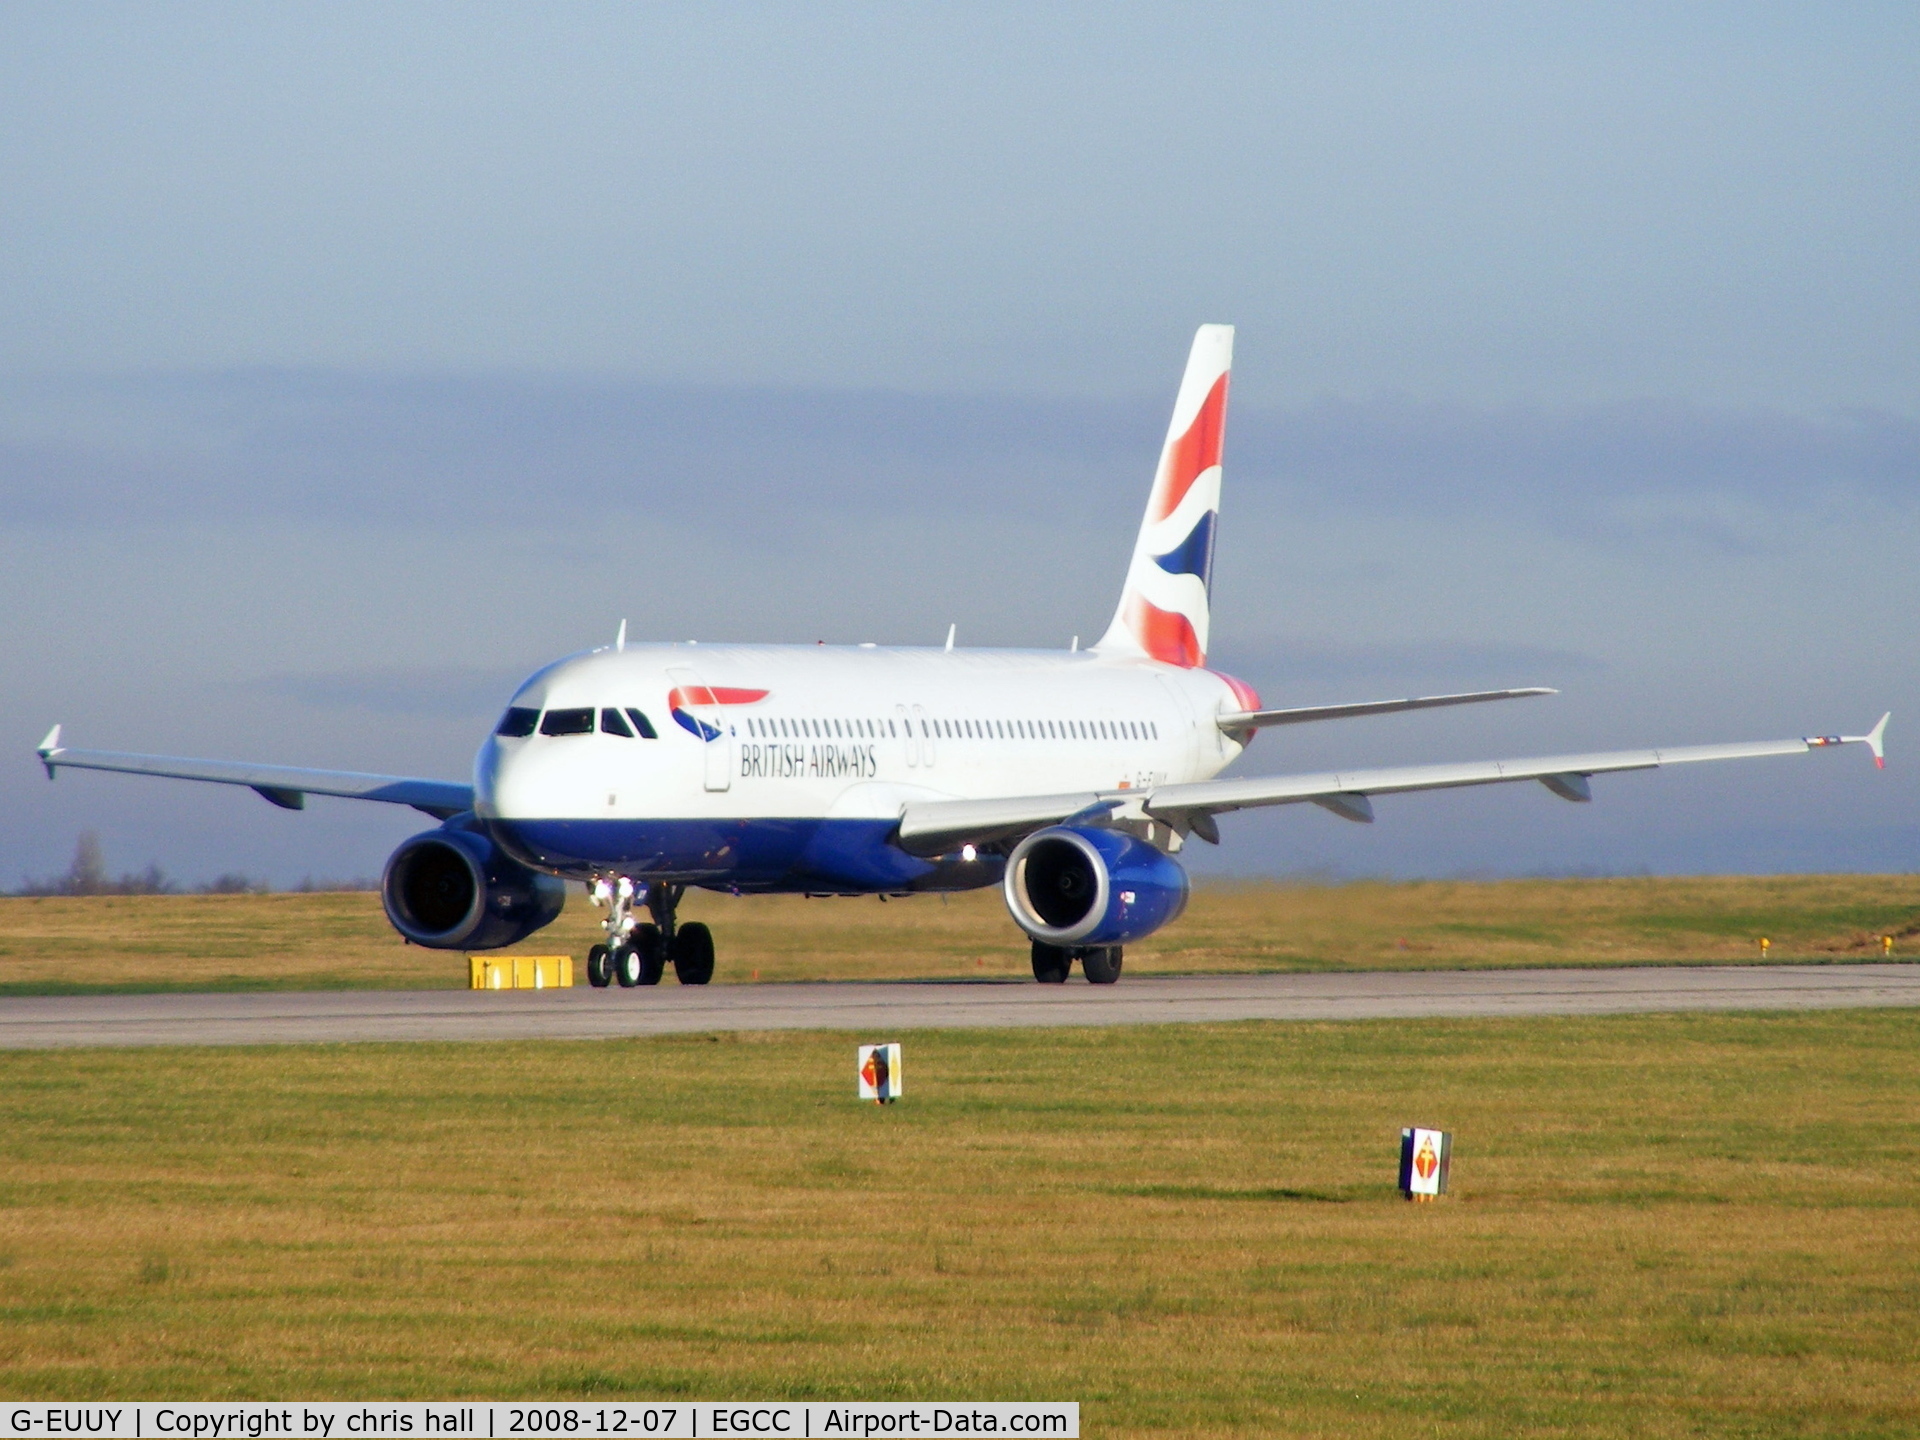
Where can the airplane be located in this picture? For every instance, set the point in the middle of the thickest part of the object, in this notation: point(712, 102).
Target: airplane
point(1071, 779)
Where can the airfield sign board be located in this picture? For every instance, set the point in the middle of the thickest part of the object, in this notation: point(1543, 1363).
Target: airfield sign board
point(1425, 1158)
point(879, 1072)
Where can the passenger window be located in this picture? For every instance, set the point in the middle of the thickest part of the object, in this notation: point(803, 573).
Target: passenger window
point(518, 722)
point(567, 722)
point(612, 724)
point(641, 723)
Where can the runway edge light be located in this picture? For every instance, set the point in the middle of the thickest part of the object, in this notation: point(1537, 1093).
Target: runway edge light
point(879, 1072)
point(1426, 1157)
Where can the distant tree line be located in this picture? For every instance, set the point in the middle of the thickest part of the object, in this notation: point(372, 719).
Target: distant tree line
point(88, 875)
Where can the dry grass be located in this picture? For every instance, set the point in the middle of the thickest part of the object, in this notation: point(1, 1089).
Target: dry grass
point(1663, 1226)
point(325, 941)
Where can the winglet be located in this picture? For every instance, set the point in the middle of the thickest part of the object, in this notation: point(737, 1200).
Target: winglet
point(50, 747)
point(1876, 739)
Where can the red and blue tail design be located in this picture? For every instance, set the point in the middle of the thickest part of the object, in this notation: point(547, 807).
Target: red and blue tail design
point(1164, 609)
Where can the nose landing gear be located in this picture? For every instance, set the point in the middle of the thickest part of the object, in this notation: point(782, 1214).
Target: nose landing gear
point(636, 953)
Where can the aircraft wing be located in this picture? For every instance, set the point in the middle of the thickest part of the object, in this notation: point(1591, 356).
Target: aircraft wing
point(934, 827)
point(283, 785)
point(1260, 719)
point(1346, 793)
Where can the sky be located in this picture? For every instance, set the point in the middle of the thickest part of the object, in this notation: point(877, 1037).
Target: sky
point(357, 360)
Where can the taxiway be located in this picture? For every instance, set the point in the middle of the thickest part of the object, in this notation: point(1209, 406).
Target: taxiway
point(320, 1017)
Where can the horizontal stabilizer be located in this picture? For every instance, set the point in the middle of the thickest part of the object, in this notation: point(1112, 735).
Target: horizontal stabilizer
point(1259, 719)
point(283, 785)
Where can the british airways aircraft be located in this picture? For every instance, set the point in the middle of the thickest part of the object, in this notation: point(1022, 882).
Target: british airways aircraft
point(1070, 779)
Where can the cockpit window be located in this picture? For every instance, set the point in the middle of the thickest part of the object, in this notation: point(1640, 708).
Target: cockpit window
point(567, 722)
point(517, 722)
point(611, 723)
point(642, 724)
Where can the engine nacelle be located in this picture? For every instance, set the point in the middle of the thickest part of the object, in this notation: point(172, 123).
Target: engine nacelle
point(454, 889)
point(1072, 887)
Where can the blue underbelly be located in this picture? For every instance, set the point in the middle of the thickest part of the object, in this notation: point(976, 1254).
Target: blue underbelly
point(787, 854)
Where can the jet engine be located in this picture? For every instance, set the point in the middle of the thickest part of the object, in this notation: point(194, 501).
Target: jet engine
point(1079, 887)
point(454, 889)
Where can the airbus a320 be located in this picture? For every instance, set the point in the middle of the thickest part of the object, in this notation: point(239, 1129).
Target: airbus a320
point(1071, 779)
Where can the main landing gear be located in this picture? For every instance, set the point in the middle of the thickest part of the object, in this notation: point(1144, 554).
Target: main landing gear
point(637, 952)
point(1099, 963)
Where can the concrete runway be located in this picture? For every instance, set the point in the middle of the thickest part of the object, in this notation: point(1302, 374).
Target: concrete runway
point(883, 1010)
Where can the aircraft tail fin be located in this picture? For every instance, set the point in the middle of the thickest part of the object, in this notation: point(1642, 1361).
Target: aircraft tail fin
point(1163, 610)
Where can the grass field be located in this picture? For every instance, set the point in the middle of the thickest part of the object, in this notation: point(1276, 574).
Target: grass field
point(329, 941)
point(1662, 1226)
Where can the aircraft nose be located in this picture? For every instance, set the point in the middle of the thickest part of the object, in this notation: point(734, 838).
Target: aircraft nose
point(499, 780)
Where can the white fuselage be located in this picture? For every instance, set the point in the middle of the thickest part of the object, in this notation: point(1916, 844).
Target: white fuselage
point(753, 734)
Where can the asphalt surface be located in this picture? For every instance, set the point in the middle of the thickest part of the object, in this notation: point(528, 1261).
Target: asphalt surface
point(878, 1010)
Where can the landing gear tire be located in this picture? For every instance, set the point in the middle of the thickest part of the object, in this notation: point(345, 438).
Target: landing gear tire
point(626, 966)
point(693, 954)
point(1051, 964)
point(652, 950)
point(1100, 964)
point(599, 972)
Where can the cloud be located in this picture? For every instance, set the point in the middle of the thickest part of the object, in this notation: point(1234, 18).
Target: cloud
point(465, 452)
point(510, 451)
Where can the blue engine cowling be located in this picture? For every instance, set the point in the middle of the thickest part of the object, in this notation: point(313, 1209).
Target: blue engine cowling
point(1072, 887)
point(454, 889)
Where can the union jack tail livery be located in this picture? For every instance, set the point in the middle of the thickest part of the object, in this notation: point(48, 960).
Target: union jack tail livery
point(1164, 609)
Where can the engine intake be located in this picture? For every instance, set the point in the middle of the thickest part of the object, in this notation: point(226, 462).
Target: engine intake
point(1072, 887)
point(454, 889)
